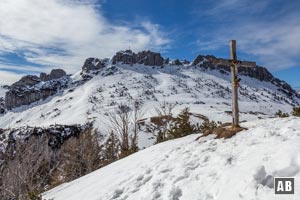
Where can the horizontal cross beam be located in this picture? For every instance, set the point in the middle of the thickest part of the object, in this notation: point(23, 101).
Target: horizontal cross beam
point(222, 61)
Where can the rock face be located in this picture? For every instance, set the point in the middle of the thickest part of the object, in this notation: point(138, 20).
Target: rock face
point(2, 106)
point(257, 72)
point(54, 74)
point(145, 57)
point(32, 88)
point(93, 64)
point(57, 134)
point(177, 62)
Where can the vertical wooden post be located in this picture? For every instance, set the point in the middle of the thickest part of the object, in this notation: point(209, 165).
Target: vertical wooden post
point(234, 70)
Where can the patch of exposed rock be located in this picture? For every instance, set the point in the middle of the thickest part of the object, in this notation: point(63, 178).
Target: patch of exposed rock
point(54, 74)
point(2, 106)
point(177, 62)
point(258, 72)
point(32, 88)
point(144, 57)
point(56, 134)
point(93, 64)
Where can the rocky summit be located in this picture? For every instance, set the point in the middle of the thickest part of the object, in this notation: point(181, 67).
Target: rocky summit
point(143, 57)
point(54, 74)
point(93, 64)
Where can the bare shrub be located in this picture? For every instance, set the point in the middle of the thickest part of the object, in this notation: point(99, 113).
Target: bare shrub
point(27, 169)
point(125, 126)
point(163, 121)
point(80, 155)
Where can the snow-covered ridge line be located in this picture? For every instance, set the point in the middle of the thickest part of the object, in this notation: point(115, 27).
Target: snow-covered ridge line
point(29, 85)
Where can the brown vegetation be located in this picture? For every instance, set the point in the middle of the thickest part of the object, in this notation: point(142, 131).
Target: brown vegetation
point(223, 131)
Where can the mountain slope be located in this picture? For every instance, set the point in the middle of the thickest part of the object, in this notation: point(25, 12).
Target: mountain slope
point(206, 91)
point(238, 168)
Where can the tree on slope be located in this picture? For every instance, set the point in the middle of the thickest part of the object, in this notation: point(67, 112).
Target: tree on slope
point(182, 125)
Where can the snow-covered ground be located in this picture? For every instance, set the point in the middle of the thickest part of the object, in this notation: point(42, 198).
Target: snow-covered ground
point(208, 169)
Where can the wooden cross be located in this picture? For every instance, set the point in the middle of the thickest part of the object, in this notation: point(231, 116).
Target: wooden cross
point(234, 63)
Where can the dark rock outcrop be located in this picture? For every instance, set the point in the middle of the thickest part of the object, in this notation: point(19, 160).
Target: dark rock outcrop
point(258, 72)
point(32, 88)
point(54, 74)
point(177, 62)
point(150, 58)
point(201, 59)
point(93, 64)
point(198, 60)
point(144, 57)
point(26, 81)
point(2, 106)
point(56, 134)
point(125, 57)
point(91, 67)
point(186, 62)
point(167, 61)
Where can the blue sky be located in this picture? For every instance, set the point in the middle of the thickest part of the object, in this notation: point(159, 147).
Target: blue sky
point(39, 35)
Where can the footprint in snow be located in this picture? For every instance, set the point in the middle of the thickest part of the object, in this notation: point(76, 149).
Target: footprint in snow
point(117, 193)
point(175, 193)
point(146, 179)
point(165, 171)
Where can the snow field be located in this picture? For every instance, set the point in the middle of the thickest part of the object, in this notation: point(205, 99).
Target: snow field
point(185, 169)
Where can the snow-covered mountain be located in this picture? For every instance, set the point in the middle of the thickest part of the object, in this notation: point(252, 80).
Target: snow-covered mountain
point(62, 106)
point(238, 168)
point(96, 90)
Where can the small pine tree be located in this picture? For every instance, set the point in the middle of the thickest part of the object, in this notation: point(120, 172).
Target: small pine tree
point(280, 114)
point(296, 111)
point(208, 126)
point(110, 149)
point(182, 125)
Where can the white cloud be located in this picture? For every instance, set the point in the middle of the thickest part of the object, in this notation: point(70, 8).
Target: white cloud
point(65, 32)
point(8, 77)
point(270, 36)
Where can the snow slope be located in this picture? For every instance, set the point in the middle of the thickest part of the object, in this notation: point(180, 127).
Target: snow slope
point(209, 169)
point(207, 92)
point(204, 91)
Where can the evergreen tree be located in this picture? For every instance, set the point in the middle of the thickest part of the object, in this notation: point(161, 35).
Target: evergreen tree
point(296, 111)
point(110, 149)
point(279, 113)
point(182, 125)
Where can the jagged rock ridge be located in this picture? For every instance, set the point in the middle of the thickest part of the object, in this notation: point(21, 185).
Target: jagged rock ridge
point(145, 57)
point(32, 88)
point(258, 72)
